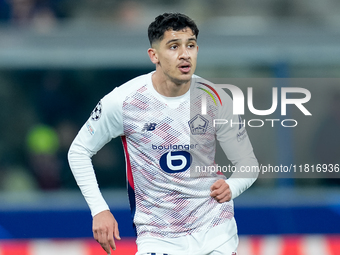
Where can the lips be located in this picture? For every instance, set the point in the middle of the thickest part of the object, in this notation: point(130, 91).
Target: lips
point(185, 67)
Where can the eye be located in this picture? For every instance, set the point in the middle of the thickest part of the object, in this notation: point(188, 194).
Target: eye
point(173, 47)
point(191, 46)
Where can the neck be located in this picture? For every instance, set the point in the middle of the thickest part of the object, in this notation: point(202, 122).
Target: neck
point(169, 88)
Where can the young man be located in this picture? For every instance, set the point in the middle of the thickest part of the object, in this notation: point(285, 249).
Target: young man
point(176, 209)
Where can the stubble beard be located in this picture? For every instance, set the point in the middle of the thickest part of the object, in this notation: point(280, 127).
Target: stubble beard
point(178, 82)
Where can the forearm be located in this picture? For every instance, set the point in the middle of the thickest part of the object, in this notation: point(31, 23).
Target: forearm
point(239, 185)
point(245, 175)
point(81, 165)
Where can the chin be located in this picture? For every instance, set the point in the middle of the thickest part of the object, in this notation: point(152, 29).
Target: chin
point(185, 77)
point(182, 80)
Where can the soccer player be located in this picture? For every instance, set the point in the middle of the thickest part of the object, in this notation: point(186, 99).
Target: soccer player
point(178, 206)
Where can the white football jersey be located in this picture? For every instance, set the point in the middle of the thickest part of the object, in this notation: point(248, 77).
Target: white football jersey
point(167, 142)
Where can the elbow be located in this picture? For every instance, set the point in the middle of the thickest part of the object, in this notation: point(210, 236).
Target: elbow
point(78, 152)
point(70, 153)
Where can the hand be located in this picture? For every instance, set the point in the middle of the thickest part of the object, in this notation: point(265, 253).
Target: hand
point(105, 227)
point(220, 191)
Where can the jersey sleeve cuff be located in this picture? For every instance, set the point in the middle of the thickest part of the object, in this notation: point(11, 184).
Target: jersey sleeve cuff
point(232, 189)
point(99, 209)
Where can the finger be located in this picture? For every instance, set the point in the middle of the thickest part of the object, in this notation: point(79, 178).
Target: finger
point(216, 185)
point(111, 242)
point(116, 231)
point(219, 183)
point(221, 193)
point(95, 236)
point(106, 248)
point(104, 242)
point(224, 196)
point(219, 190)
point(214, 193)
point(225, 199)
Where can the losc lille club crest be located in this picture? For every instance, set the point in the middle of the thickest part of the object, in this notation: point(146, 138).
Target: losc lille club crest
point(198, 125)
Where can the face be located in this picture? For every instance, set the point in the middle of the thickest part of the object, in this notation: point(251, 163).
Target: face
point(175, 55)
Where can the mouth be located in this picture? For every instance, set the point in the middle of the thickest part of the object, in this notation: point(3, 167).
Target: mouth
point(185, 67)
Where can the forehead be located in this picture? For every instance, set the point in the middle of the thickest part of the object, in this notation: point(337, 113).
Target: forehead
point(184, 33)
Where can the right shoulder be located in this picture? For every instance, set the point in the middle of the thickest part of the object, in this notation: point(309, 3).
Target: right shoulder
point(106, 119)
point(121, 92)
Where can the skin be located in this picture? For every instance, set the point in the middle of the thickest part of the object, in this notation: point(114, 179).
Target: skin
point(105, 229)
point(220, 191)
point(175, 50)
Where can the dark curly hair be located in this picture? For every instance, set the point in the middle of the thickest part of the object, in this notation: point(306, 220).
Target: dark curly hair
point(169, 21)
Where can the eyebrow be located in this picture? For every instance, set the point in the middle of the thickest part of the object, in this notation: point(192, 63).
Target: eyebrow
point(176, 40)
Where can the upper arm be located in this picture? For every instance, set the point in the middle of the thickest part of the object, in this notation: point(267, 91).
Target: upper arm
point(105, 122)
point(232, 135)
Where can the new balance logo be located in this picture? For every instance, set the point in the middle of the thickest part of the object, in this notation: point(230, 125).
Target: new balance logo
point(149, 127)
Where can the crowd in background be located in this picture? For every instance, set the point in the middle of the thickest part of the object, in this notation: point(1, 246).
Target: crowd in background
point(48, 13)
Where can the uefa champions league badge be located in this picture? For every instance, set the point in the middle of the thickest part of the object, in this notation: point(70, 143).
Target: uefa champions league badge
point(97, 112)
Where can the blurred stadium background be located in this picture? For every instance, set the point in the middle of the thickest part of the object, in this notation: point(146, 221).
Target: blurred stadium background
point(58, 58)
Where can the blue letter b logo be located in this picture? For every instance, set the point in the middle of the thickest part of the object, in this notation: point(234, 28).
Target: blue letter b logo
point(175, 161)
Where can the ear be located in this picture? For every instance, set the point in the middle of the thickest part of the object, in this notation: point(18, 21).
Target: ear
point(153, 55)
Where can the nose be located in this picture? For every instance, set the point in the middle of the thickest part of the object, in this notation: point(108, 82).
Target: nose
point(184, 54)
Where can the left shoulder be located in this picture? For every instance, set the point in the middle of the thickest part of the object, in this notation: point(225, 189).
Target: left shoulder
point(214, 89)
